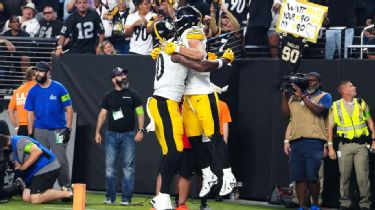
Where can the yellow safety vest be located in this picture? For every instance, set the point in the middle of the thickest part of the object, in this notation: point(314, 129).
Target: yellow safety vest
point(350, 127)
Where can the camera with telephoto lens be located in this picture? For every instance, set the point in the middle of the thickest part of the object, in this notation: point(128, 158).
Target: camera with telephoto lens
point(8, 185)
point(299, 79)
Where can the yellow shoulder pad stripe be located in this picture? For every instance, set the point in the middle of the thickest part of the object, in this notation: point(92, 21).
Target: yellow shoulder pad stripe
point(195, 36)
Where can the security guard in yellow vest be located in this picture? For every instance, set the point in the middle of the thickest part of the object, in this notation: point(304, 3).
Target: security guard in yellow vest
point(352, 119)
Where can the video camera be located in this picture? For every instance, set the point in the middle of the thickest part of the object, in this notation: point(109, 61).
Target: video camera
point(299, 79)
point(7, 172)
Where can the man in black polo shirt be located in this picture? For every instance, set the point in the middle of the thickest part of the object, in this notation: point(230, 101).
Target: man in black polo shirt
point(83, 25)
point(120, 106)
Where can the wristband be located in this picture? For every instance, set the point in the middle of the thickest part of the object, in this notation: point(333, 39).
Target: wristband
point(220, 61)
point(59, 47)
point(329, 143)
point(177, 50)
point(286, 141)
point(140, 130)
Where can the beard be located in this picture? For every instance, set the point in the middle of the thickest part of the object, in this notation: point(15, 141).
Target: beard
point(40, 79)
point(122, 83)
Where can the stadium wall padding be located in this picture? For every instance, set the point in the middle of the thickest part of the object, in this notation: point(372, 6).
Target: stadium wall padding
point(256, 134)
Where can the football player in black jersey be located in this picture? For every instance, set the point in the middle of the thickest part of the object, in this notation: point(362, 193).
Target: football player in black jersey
point(83, 27)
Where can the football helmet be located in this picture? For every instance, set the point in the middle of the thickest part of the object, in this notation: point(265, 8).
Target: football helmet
point(186, 17)
point(164, 31)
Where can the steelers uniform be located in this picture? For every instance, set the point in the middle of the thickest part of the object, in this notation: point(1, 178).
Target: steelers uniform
point(200, 113)
point(200, 109)
point(163, 107)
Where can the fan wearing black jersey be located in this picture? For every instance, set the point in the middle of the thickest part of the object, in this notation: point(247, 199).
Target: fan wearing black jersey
point(83, 27)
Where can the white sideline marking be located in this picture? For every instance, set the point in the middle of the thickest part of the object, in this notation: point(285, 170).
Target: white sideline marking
point(50, 207)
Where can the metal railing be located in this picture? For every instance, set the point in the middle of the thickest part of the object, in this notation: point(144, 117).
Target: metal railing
point(13, 64)
point(233, 40)
point(361, 46)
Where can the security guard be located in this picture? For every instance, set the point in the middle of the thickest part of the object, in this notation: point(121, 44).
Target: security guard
point(352, 118)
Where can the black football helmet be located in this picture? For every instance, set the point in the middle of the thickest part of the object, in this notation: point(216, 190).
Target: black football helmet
point(164, 31)
point(186, 17)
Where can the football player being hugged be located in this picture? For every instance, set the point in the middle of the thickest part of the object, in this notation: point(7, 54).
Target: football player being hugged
point(163, 106)
point(200, 109)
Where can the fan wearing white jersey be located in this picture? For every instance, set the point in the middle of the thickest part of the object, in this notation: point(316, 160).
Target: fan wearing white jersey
point(163, 107)
point(139, 26)
point(200, 112)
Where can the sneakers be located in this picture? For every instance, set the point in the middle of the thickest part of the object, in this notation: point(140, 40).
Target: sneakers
point(162, 202)
point(68, 188)
point(208, 181)
point(314, 207)
point(125, 203)
point(108, 202)
point(182, 207)
point(204, 207)
point(20, 185)
point(229, 182)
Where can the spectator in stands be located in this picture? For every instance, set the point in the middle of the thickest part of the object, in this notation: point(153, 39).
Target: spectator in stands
point(84, 25)
point(28, 21)
point(341, 15)
point(38, 166)
point(50, 27)
point(118, 39)
point(9, 8)
point(120, 106)
point(107, 49)
point(46, 104)
point(41, 4)
point(21, 57)
point(273, 36)
point(105, 14)
point(139, 26)
point(227, 22)
point(166, 10)
point(6, 48)
point(259, 23)
point(7, 45)
point(16, 110)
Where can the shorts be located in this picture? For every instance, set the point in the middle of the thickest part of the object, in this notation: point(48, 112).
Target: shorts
point(41, 183)
point(305, 159)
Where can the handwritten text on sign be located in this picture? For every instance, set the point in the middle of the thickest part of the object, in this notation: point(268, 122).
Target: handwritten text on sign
point(301, 19)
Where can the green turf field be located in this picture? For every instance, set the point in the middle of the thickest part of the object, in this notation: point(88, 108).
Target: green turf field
point(93, 202)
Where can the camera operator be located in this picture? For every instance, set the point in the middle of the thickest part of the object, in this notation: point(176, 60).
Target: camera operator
point(7, 191)
point(307, 110)
point(352, 119)
point(37, 166)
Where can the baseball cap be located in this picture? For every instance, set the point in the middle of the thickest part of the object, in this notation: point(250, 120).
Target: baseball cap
point(43, 66)
point(118, 71)
point(315, 74)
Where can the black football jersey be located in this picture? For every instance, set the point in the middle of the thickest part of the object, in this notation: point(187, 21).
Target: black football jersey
point(291, 52)
point(83, 31)
point(50, 29)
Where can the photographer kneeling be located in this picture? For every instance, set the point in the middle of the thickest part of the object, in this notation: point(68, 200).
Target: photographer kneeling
point(307, 110)
point(37, 166)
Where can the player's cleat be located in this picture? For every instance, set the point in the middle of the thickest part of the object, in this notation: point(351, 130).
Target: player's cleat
point(125, 203)
point(68, 188)
point(162, 202)
point(182, 207)
point(204, 207)
point(208, 181)
point(229, 182)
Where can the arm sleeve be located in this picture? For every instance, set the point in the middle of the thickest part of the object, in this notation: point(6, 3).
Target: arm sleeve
point(65, 97)
point(66, 30)
point(137, 100)
point(12, 104)
point(99, 23)
point(29, 104)
point(105, 103)
point(326, 101)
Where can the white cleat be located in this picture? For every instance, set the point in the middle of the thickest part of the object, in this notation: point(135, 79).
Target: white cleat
point(229, 182)
point(207, 183)
point(162, 202)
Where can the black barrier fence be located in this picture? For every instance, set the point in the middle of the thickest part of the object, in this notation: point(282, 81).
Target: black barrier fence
point(256, 134)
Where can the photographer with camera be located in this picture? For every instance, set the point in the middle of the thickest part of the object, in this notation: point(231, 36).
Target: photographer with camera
point(38, 166)
point(7, 190)
point(307, 109)
point(352, 119)
point(46, 104)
